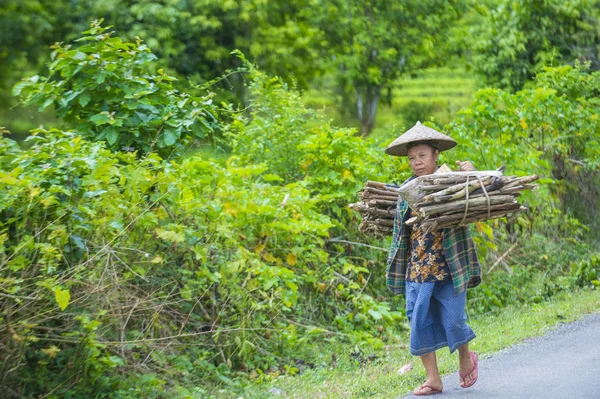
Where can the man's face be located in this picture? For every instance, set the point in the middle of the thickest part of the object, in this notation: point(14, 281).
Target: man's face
point(423, 159)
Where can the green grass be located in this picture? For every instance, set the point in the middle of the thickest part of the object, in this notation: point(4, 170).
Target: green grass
point(432, 94)
point(380, 378)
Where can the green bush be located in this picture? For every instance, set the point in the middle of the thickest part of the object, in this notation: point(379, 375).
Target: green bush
point(143, 274)
point(534, 285)
point(586, 272)
point(551, 130)
point(414, 111)
point(186, 270)
point(106, 256)
point(103, 88)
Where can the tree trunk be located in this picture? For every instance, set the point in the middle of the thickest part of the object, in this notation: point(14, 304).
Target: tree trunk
point(367, 100)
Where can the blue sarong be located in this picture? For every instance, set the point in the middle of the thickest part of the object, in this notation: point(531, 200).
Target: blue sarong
point(437, 317)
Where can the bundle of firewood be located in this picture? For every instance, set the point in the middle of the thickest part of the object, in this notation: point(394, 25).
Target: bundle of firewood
point(377, 206)
point(442, 200)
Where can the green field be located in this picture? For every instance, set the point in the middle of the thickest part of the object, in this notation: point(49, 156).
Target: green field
point(436, 94)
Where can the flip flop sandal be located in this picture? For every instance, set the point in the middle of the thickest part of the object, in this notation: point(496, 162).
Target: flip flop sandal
point(432, 391)
point(474, 370)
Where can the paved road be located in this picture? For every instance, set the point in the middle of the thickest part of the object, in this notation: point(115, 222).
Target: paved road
point(565, 363)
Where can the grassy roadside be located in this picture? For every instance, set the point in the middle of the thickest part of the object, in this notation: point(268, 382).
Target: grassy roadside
point(380, 378)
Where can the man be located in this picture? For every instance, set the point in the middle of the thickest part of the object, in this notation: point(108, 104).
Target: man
point(433, 269)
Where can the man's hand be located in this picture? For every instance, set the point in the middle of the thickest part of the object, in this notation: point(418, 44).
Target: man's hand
point(465, 166)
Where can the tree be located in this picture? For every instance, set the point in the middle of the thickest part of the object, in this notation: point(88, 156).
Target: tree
point(25, 31)
point(371, 43)
point(518, 38)
point(192, 39)
point(196, 38)
point(104, 90)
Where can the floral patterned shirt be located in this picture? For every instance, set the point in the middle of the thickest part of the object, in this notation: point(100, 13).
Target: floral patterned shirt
point(426, 261)
point(459, 252)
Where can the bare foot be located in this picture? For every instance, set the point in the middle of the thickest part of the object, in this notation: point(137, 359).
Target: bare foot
point(467, 371)
point(430, 387)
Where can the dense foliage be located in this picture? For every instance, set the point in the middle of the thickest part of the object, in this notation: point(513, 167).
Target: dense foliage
point(358, 50)
point(516, 39)
point(102, 89)
point(146, 273)
point(372, 43)
point(113, 260)
point(193, 39)
point(551, 129)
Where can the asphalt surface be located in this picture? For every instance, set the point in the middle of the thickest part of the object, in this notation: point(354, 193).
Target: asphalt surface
point(565, 363)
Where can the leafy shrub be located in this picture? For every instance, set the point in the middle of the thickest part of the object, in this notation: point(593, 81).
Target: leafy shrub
point(297, 145)
point(104, 90)
point(414, 111)
point(546, 132)
point(132, 274)
point(89, 238)
point(586, 271)
point(516, 40)
point(550, 130)
point(534, 285)
point(113, 261)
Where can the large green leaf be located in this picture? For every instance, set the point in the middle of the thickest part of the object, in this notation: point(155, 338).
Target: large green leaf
point(62, 298)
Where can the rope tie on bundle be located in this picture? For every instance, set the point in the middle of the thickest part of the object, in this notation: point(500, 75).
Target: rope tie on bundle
point(466, 202)
point(467, 199)
point(486, 195)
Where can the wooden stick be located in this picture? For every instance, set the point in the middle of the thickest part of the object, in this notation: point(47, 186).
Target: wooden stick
point(458, 205)
point(381, 186)
point(359, 206)
point(494, 209)
point(445, 192)
point(381, 212)
point(479, 208)
point(379, 198)
point(373, 191)
point(432, 224)
point(377, 184)
point(385, 222)
point(503, 191)
point(500, 259)
point(521, 180)
point(358, 244)
point(382, 202)
point(453, 178)
point(436, 187)
point(458, 191)
point(453, 217)
point(483, 216)
point(374, 228)
point(380, 192)
point(412, 220)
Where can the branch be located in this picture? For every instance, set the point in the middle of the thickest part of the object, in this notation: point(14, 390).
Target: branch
point(359, 244)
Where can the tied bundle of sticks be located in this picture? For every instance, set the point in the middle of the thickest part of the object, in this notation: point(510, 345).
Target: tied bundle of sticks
point(442, 200)
point(377, 206)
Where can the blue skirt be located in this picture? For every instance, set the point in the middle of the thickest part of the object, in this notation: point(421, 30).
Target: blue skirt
point(437, 317)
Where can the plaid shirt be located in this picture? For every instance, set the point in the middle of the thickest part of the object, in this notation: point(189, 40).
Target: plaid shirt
point(459, 251)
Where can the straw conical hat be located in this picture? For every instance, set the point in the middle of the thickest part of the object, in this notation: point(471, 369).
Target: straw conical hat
point(419, 132)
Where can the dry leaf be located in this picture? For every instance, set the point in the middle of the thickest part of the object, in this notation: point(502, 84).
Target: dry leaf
point(405, 368)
